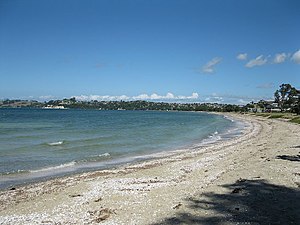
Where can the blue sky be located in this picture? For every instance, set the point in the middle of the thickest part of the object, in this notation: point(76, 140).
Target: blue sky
point(172, 50)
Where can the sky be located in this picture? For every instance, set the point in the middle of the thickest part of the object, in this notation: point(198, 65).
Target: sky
point(229, 51)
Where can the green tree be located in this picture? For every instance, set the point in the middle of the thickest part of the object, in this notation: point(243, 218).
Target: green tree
point(73, 100)
point(285, 96)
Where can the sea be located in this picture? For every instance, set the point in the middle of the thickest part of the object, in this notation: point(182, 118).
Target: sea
point(39, 144)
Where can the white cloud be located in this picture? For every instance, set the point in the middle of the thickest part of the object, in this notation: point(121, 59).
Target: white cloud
point(47, 97)
point(193, 96)
point(242, 56)
point(154, 96)
point(242, 102)
point(296, 57)
point(101, 98)
point(280, 58)
point(142, 96)
point(215, 98)
point(170, 97)
point(209, 67)
point(258, 61)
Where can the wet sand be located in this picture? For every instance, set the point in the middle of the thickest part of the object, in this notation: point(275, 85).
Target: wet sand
point(251, 179)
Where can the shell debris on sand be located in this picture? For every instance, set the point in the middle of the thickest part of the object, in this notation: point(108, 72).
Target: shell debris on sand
point(102, 214)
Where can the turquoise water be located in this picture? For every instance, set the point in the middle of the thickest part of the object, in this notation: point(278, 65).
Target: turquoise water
point(37, 143)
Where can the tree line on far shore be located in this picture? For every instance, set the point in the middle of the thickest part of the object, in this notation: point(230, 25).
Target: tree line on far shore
point(286, 99)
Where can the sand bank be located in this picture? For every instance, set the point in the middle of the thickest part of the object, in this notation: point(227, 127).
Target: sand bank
point(251, 179)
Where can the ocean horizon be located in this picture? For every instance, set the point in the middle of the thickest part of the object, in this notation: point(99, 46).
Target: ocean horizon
point(40, 144)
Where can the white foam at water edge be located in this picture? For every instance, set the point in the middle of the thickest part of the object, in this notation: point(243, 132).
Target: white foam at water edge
point(54, 167)
point(55, 143)
point(229, 118)
point(14, 172)
point(104, 155)
point(212, 138)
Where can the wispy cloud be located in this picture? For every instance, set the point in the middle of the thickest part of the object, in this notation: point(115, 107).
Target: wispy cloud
point(280, 58)
point(169, 97)
point(214, 98)
point(277, 59)
point(258, 61)
point(232, 99)
point(266, 86)
point(296, 57)
point(46, 97)
point(242, 56)
point(209, 67)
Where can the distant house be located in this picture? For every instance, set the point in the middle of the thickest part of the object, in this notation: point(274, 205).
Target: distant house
point(272, 107)
point(264, 106)
point(54, 107)
point(255, 108)
point(296, 105)
point(297, 96)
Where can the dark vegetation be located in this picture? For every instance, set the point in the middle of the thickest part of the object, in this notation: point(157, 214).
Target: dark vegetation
point(288, 98)
point(125, 105)
point(296, 120)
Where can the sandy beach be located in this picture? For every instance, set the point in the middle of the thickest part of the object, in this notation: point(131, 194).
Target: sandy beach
point(251, 179)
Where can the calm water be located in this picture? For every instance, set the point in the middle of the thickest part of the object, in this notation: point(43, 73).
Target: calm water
point(36, 143)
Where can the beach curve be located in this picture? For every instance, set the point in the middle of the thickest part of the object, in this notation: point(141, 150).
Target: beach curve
point(160, 191)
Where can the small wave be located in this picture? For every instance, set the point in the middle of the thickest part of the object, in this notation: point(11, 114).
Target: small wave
point(104, 155)
point(70, 164)
point(214, 135)
point(55, 143)
point(14, 172)
point(96, 158)
point(229, 118)
point(212, 138)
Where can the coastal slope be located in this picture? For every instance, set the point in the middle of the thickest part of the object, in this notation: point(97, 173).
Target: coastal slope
point(251, 179)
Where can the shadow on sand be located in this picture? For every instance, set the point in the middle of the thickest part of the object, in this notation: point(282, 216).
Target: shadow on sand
point(246, 202)
point(295, 158)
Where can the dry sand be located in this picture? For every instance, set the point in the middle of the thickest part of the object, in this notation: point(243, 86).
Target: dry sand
point(252, 179)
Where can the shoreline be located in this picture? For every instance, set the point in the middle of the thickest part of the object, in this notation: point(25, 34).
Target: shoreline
point(72, 168)
point(158, 191)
